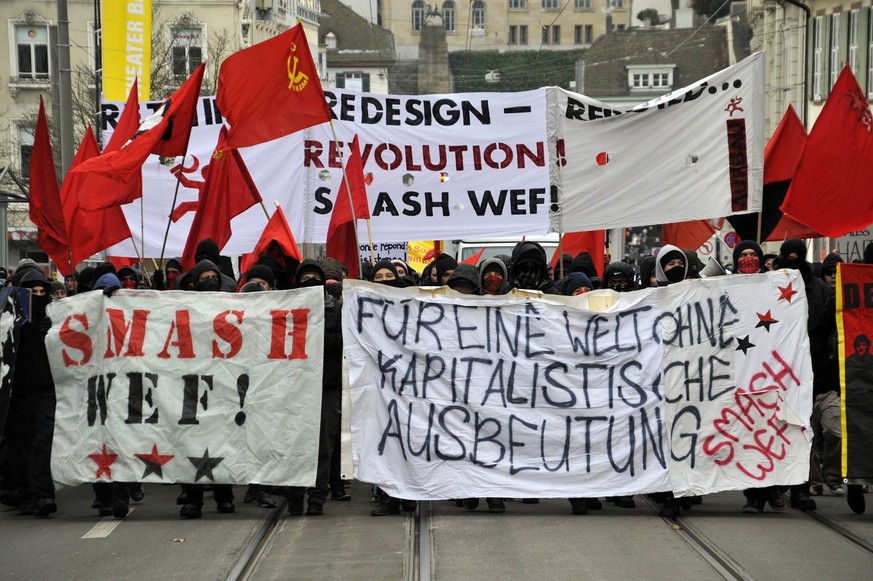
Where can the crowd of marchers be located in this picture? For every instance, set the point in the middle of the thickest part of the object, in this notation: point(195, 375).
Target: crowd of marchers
point(25, 448)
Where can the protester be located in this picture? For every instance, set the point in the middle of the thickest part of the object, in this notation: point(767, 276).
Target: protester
point(59, 291)
point(529, 269)
point(749, 259)
point(620, 277)
point(464, 279)
point(648, 279)
point(30, 423)
point(444, 266)
point(493, 279)
point(71, 282)
point(826, 402)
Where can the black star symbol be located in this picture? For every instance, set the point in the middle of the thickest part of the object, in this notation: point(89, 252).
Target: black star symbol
point(204, 465)
point(743, 344)
point(765, 320)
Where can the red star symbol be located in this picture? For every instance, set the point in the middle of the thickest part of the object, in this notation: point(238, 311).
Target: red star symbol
point(104, 462)
point(787, 292)
point(765, 320)
point(154, 461)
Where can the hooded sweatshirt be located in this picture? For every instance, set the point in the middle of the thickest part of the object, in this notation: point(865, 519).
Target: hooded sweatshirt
point(32, 372)
point(620, 271)
point(647, 268)
point(491, 286)
point(668, 253)
point(465, 273)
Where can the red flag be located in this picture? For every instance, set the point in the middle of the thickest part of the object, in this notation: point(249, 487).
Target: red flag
point(575, 242)
point(342, 243)
point(128, 123)
point(45, 199)
point(691, 234)
point(474, 260)
point(277, 231)
point(229, 191)
point(89, 232)
point(165, 133)
point(270, 90)
point(832, 190)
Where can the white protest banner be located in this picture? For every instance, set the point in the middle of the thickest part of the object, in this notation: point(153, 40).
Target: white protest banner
point(442, 166)
point(192, 388)
point(699, 387)
point(695, 153)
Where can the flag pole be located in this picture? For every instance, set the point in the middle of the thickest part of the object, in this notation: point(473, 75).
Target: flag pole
point(175, 197)
point(561, 255)
point(760, 221)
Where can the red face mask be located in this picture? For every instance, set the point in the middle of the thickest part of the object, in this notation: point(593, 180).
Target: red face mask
point(491, 283)
point(127, 283)
point(749, 265)
point(171, 279)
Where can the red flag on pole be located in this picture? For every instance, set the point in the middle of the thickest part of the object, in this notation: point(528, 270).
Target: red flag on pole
point(278, 233)
point(46, 210)
point(229, 191)
point(832, 190)
point(474, 260)
point(691, 234)
point(271, 90)
point(575, 242)
point(342, 242)
point(165, 133)
point(89, 232)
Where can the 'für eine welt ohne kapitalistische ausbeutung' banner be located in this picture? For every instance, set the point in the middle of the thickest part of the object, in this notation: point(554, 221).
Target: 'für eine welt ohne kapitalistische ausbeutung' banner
point(699, 387)
point(190, 388)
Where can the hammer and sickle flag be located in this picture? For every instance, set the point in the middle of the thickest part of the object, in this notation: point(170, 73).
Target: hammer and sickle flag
point(271, 90)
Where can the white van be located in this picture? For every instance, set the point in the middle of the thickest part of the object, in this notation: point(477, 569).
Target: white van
point(464, 249)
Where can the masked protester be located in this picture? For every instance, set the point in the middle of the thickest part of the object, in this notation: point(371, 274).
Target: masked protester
point(647, 272)
point(310, 275)
point(575, 283)
point(671, 265)
point(465, 280)
point(829, 269)
point(208, 250)
point(444, 266)
point(260, 274)
point(205, 277)
point(529, 269)
point(129, 277)
point(821, 324)
point(620, 277)
point(31, 417)
point(749, 259)
point(585, 264)
point(493, 278)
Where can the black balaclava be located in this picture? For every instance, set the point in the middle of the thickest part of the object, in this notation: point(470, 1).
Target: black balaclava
point(792, 246)
point(675, 274)
point(619, 276)
point(309, 265)
point(208, 250)
point(388, 265)
point(529, 269)
point(33, 278)
point(210, 285)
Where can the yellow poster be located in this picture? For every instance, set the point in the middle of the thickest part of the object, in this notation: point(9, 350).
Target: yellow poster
point(127, 47)
point(420, 253)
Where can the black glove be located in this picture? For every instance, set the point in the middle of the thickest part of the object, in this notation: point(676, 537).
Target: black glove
point(158, 280)
point(107, 292)
point(45, 324)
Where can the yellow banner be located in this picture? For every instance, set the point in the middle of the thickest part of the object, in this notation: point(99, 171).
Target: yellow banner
point(420, 253)
point(127, 47)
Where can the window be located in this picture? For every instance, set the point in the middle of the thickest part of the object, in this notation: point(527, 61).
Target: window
point(545, 39)
point(818, 30)
point(835, 47)
point(550, 4)
point(449, 15)
point(660, 80)
point(479, 14)
point(25, 149)
point(853, 41)
point(616, 4)
point(517, 4)
point(650, 78)
point(417, 15)
point(355, 81)
point(589, 33)
point(556, 34)
point(577, 34)
point(583, 4)
point(513, 34)
point(32, 48)
point(330, 40)
point(187, 48)
point(522, 34)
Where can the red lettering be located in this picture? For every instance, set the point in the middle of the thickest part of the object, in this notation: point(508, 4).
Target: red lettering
point(711, 450)
point(181, 327)
point(299, 322)
point(785, 371)
point(119, 329)
point(312, 154)
point(76, 340)
point(228, 332)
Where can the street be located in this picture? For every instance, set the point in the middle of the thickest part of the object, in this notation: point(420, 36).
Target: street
point(714, 540)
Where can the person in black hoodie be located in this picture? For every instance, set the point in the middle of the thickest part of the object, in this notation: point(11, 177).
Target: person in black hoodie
point(647, 272)
point(825, 383)
point(310, 274)
point(30, 425)
point(585, 264)
point(493, 277)
point(206, 277)
point(465, 279)
point(620, 277)
point(208, 250)
point(529, 268)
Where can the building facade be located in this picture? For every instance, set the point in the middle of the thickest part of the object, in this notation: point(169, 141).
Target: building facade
point(504, 24)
